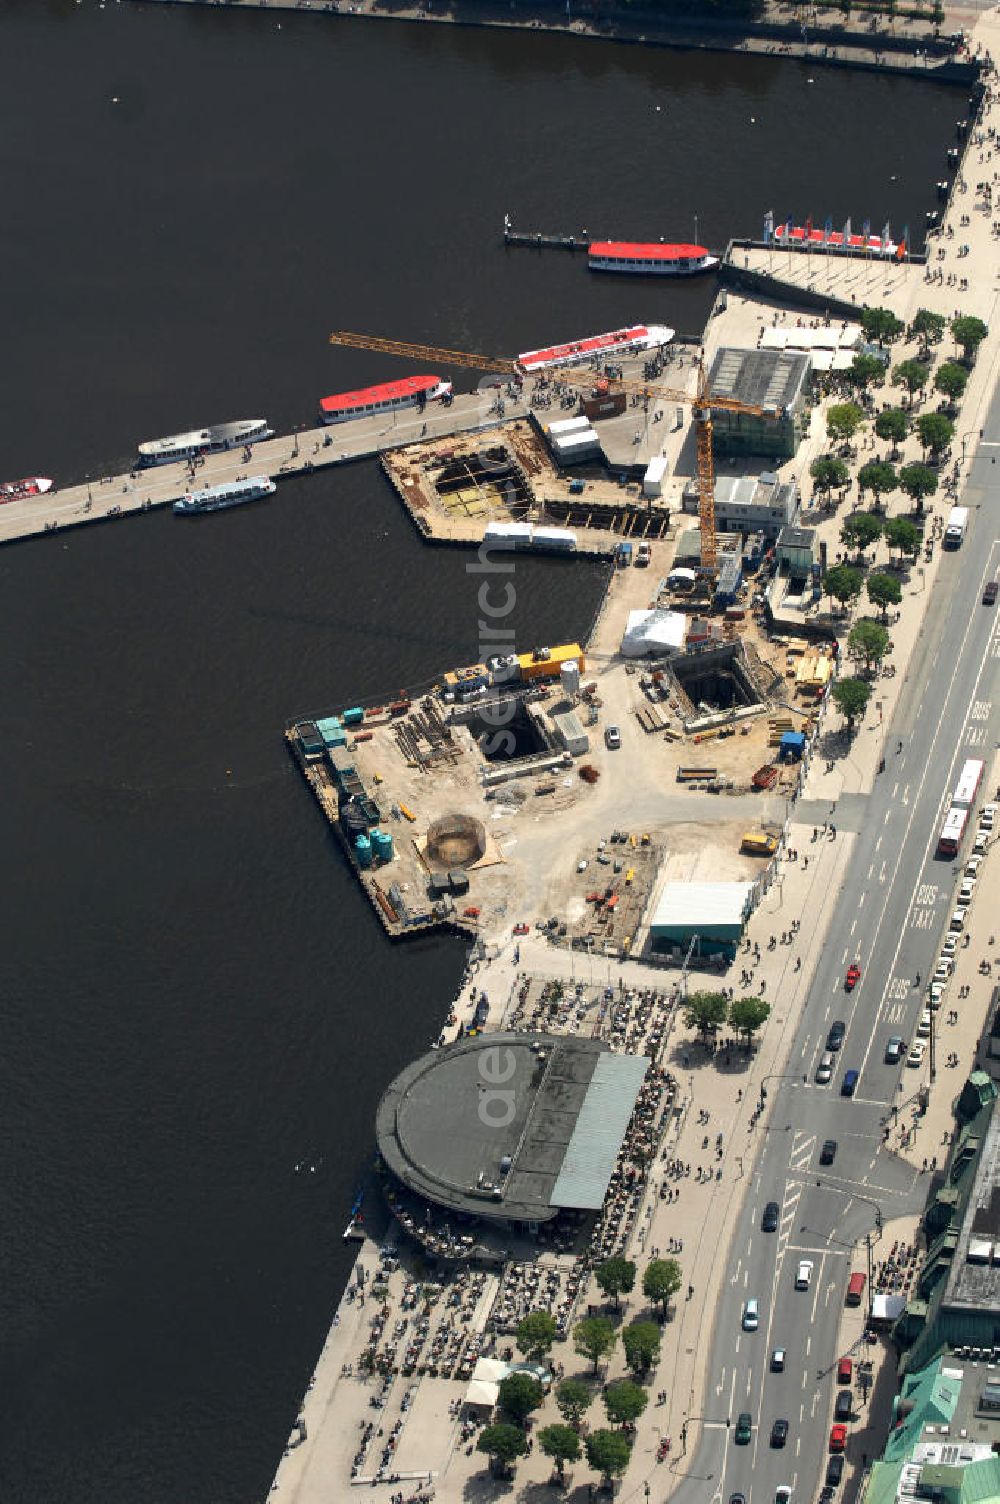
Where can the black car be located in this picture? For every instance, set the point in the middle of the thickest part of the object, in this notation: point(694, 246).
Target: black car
point(894, 1050)
point(990, 593)
point(779, 1433)
point(835, 1038)
point(844, 1407)
point(737, 1499)
point(828, 1153)
point(769, 1221)
point(834, 1471)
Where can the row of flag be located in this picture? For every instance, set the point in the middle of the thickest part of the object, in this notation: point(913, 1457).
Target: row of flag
point(885, 243)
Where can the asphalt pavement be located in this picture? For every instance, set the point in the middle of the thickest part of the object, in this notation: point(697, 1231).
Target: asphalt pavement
point(892, 916)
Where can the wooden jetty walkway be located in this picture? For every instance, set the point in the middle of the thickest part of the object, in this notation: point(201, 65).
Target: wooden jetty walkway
point(111, 497)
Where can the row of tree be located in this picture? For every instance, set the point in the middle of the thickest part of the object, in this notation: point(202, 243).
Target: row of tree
point(708, 1011)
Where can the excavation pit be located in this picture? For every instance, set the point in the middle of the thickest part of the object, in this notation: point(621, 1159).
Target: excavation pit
point(455, 841)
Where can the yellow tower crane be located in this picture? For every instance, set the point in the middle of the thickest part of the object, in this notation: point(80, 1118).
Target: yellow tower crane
point(701, 401)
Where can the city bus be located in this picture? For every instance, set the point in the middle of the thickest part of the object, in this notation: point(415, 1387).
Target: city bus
point(962, 800)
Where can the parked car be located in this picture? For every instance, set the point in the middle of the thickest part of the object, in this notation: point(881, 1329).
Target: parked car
point(966, 892)
point(924, 1026)
point(828, 1153)
point(943, 970)
point(834, 1471)
point(843, 1408)
point(838, 1438)
point(973, 865)
point(804, 1274)
point(894, 1049)
point(612, 738)
point(769, 1221)
point(949, 947)
point(916, 1056)
point(845, 1371)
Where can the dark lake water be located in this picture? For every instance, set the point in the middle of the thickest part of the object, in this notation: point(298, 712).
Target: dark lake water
point(194, 999)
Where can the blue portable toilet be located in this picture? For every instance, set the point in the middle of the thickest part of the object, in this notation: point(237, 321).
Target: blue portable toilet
point(363, 850)
point(793, 745)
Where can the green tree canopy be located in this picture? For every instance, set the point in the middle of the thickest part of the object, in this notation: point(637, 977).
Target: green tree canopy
point(866, 370)
point(843, 420)
point(641, 1340)
point(913, 374)
point(928, 327)
point(893, 425)
point(935, 432)
point(536, 1333)
point(503, 1444)
point(884, 590)
point(869, 641)
point(851, 696)
point(747, 1015)
point(829, 473)
point(616, 1277)
point(969, 332)
point(918, 482)
point(881, 325)
point(951, 379)
point(573, 1399)
point(519, 1395)
point(860, 530)
point(878, 476)
point(705, 1011)
point(561, 1443)
point(625, 1402)
point(661, 1279)
point(593, 1337)
point(608, 1453)
point(901, 533)
point(843, 583)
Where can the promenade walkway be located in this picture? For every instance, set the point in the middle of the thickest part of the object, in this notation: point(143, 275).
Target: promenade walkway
point(283, 457)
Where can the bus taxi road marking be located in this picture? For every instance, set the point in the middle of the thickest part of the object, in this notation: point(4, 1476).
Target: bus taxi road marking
point(895, 1013)
point(854, 926)
point(943, 720)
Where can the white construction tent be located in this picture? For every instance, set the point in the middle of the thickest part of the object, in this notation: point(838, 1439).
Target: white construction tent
point(653, 633)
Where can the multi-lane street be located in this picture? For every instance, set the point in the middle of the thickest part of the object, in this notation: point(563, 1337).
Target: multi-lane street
point(890, 919)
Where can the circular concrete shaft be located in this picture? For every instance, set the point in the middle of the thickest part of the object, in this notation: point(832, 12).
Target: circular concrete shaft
point(455, 841)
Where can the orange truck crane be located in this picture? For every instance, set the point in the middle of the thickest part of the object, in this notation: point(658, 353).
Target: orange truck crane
point(701, 401)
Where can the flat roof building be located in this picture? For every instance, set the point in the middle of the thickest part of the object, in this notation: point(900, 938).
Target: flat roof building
point(776, 381)
point(511, 1128)
point(711, 914)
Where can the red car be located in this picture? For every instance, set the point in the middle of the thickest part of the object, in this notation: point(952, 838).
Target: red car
point(845, 1371)
point(838, 1438)
point(520, 929)
point(853, 977)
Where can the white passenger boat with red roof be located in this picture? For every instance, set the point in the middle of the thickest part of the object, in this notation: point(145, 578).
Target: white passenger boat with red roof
point(656, 258)
point(411, 391)
point(22, 490)
point(631, 341)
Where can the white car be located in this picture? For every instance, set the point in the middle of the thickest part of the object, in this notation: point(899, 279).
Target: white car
point(924, 1026)
point(783, 1495)
point(957, 921)
point(942, 970)
point(935, 993)
point(950, 946)
point(751, 1315)
point(804, 1274)
point(982, 840)
point(966, 892)
point(612, 738)
point(973, 865)
point(917, 1051)
point(987, 818)
point(582, 864)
